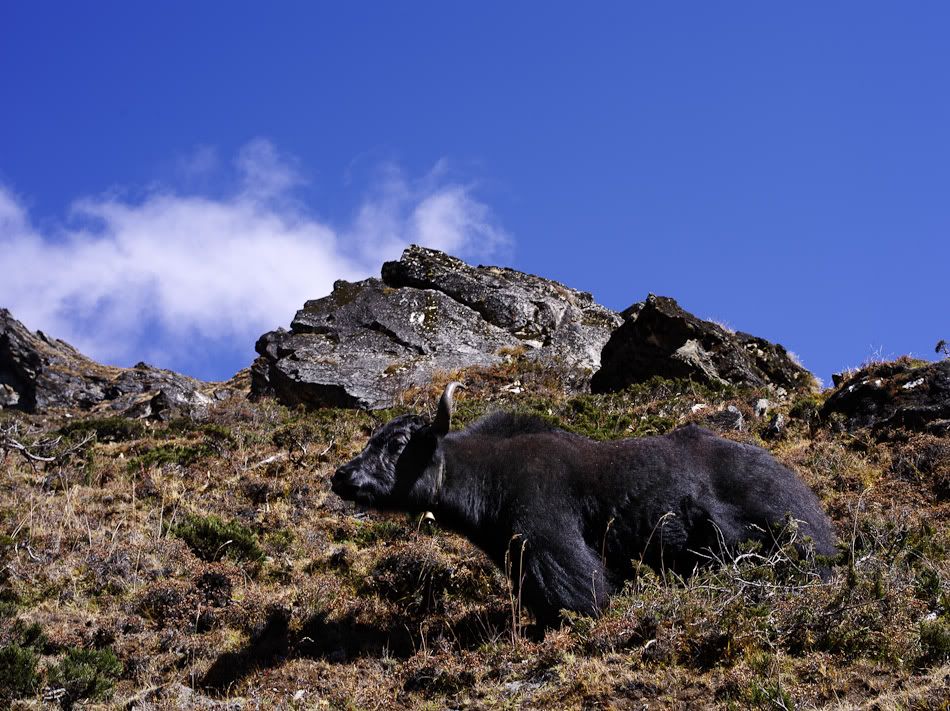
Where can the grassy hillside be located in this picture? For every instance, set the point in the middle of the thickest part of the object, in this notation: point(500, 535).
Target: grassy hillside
point(188, 564)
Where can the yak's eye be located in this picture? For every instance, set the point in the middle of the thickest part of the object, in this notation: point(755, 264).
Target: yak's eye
point(394, 446)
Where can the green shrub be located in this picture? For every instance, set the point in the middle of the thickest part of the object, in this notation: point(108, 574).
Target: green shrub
point(212, 538)
point(106, 429)
point(935, 640)
point(807, 407)
point(86, 674)
point(183, 426)
point(281, 540)
point(17, 672)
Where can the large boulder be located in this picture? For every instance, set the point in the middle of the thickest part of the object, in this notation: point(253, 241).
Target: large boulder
point(39, 373)
point(885, 396)
point(554, 321)
point(368, 341)
point(659, 338)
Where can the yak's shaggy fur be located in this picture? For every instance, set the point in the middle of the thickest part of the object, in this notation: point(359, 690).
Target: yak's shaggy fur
point(569, 517)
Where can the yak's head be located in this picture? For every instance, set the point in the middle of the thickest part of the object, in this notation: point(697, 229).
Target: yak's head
point(388, 473)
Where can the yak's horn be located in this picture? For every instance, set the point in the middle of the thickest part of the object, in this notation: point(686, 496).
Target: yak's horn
point(443, 418)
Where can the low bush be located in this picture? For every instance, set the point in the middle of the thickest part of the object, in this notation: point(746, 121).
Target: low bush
point(18, 677)
point(212, 538)
point(106, 429)
point(85, 674)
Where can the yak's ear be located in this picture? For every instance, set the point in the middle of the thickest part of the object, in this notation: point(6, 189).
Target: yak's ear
point(416, 457)
point(443, 418)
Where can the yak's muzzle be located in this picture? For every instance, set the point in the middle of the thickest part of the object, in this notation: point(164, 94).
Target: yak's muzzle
point(345, 482)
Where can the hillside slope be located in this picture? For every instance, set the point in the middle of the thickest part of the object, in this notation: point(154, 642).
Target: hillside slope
point(206, 564)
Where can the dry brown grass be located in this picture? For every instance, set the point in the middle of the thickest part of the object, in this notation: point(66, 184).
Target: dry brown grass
point(353, 610)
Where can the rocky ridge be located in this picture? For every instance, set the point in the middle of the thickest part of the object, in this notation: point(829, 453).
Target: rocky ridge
point(40, 373)
point(430, 313)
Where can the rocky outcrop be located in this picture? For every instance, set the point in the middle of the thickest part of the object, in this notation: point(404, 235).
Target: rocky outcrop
point(367, 341)
point(660, 338)
point(557, 322)
point(39, 373)
point(885, 396)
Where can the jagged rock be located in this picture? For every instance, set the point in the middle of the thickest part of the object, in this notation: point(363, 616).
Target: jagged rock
point(39, 373)
point(564, 324)
point(890, 395)
point(660, 338)
point(368, 341)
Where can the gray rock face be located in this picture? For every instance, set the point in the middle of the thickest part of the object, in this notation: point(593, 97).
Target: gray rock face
point(367, 341)
point(660, 338)
point(890, 395)
point(39, 373)
point(542, 314)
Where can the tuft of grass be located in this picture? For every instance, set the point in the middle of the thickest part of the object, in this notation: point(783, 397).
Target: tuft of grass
point(212, 538)
point(367, 533)
point(86, 674)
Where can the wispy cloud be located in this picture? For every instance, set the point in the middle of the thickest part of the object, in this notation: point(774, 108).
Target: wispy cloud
point(176, 277)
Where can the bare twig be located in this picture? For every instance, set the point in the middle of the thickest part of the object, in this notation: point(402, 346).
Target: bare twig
point(43, 450)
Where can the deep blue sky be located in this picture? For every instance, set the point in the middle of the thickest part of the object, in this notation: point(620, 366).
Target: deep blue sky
point(784, 168)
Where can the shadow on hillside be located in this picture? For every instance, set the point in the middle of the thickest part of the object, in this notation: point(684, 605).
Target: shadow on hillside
point(330, 640)
point(335, 641)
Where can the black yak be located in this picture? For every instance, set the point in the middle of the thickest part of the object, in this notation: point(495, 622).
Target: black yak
point(567, 517)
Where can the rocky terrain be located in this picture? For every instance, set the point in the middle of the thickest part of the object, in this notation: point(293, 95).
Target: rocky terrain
point(39, 373)
point(167, 543)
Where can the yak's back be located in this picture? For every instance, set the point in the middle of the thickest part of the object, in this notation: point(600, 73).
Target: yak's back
point(511, 424)
point(750, 481)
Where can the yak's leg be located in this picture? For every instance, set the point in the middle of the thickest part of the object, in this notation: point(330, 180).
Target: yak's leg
point(558, 573)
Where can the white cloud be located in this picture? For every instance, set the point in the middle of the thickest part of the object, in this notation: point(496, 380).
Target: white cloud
point(174, 276)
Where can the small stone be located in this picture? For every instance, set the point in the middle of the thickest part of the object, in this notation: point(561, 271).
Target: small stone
point(8, 396)
point(762, 407)
point(776, 427)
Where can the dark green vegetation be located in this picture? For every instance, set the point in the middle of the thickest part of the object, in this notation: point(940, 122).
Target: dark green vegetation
point(212, 539)
point(160, 562)
point(85, 674)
